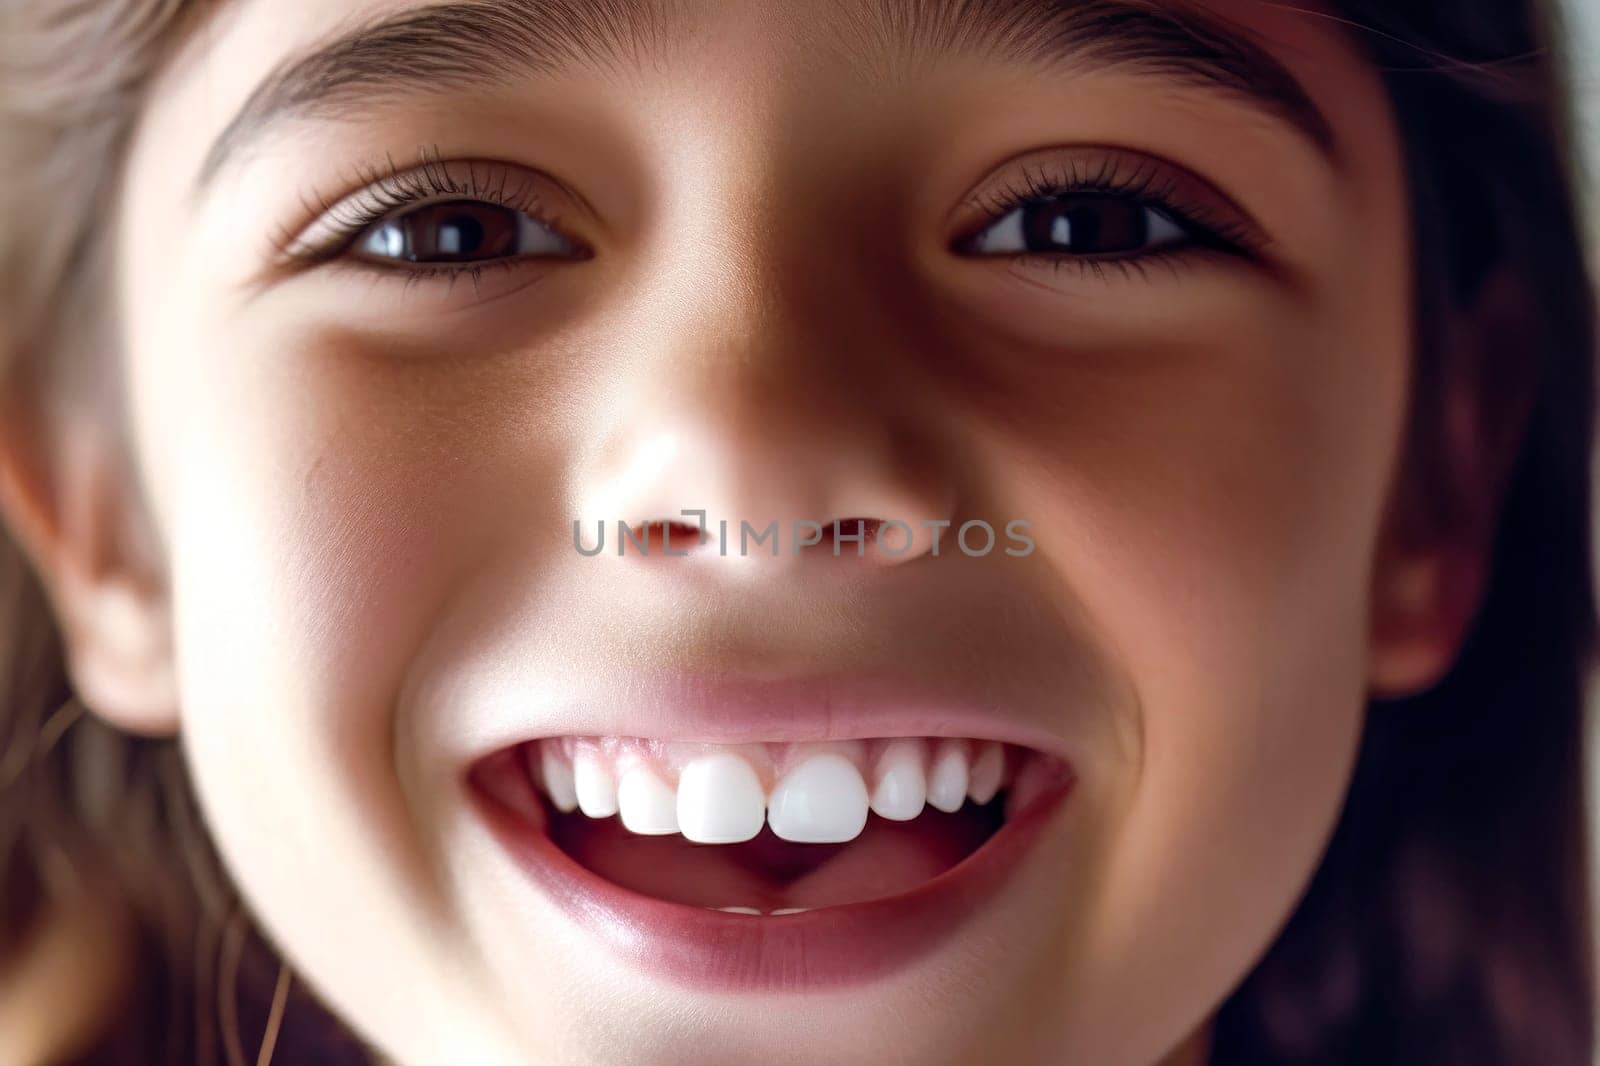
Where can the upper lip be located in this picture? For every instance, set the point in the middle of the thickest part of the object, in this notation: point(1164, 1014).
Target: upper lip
point(731, 710)
point(962, 651)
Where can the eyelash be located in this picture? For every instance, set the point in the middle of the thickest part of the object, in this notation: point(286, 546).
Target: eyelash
point(383, 191)
point(1145, 181)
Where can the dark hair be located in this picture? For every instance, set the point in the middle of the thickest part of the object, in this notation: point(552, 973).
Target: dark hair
point(1448, 920)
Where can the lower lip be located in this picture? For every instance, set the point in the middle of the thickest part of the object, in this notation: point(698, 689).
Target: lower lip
point(831, 947)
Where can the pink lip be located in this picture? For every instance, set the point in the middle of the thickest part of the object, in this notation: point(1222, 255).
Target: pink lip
point(826, 948)
point(724, 710)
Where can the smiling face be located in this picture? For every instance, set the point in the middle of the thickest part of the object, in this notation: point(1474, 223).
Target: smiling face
point(394, 317)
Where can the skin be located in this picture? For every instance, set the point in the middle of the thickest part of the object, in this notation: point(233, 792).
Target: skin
point(353, 498)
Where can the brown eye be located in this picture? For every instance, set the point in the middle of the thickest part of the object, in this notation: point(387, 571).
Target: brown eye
point(459, 231)
point(1080, 224)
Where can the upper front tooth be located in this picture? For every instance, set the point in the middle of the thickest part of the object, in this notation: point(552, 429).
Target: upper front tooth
point(902, 785)
point(593, 784)
point(647, 803)
point(720, 800)
point(823, 800)
point(987, 771)
point(558, 778)
point(947, 782)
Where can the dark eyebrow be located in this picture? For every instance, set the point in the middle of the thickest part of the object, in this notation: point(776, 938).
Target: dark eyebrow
point(432, 50)
point(1175, 39)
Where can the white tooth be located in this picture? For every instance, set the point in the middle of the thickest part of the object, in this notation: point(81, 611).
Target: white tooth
point(557, 775)
point(737, 910)
point(596, 791)
point(987, 770)
point(821, 801)
point(788, 910)
point(648, 805)
point(947, 782)
point(720, 800)
point(902, 786)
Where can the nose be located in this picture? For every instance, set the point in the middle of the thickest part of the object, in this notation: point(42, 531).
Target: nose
point(743, 431)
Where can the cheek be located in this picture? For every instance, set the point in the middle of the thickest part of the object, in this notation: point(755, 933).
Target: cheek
point(1213, 506)
point(321, 508)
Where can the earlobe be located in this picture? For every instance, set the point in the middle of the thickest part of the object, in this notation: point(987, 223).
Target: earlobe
point(1435, 558)
point(1423, 606)
point(119, 655)
point(74, 518)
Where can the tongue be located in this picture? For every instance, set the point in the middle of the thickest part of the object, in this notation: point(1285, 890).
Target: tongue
point(767, 873)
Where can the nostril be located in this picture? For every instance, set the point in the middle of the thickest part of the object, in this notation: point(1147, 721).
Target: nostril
point(855, 527)
point(654, 537)
point(851, 536)
point(883, 540)
point(677, 536)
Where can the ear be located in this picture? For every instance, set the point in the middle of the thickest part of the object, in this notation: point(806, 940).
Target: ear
point(73, 507)
point(1435, 557)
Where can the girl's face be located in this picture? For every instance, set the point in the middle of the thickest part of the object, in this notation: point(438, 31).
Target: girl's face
point(406, 290)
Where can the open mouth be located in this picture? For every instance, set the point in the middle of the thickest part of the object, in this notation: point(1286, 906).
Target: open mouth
point(830, 846)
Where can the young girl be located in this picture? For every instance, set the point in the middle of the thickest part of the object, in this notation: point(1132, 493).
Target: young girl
point(611, 531)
